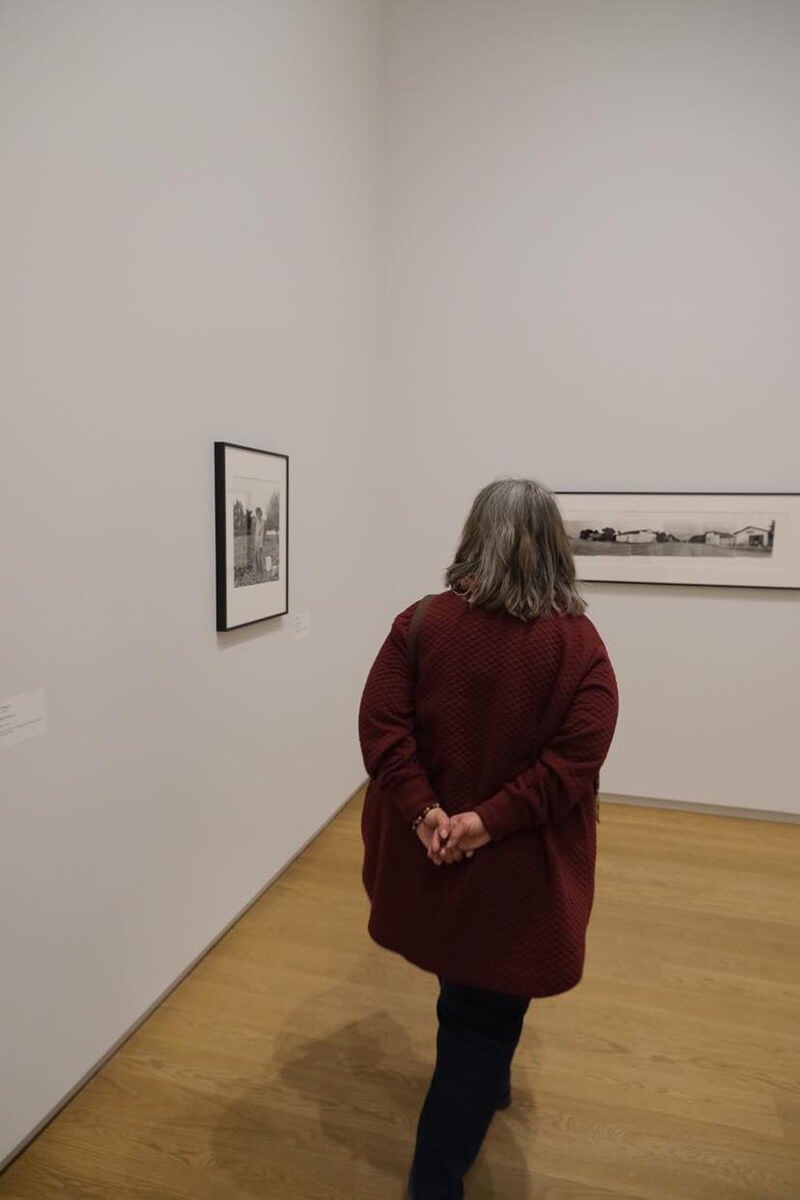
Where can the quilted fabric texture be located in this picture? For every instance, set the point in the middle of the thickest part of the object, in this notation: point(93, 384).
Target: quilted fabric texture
point(513, 719)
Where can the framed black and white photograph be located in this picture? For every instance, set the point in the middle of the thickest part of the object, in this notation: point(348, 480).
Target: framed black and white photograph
point(711, 539)
point(252, 530)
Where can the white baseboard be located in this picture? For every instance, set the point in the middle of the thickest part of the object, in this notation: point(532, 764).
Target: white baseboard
point(714, 810)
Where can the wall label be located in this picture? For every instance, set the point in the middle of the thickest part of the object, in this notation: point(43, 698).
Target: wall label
point(301, 625)
point(22, 717)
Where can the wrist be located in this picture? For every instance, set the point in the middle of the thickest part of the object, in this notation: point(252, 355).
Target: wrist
point(429, 808)
point(496, 818)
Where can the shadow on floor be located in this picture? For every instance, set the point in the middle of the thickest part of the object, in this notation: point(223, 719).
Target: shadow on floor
point(395, 1096)
point(352, 1098)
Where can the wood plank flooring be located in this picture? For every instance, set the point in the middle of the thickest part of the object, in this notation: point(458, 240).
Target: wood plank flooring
point(292, 1062)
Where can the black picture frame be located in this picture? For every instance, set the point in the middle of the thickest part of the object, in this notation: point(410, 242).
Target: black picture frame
point(251, 514)
point(777, 570)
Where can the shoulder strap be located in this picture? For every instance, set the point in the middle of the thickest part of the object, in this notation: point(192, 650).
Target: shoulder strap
point(413, 635)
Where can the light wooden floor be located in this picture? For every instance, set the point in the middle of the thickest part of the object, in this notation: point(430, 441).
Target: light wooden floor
point(292, 1062)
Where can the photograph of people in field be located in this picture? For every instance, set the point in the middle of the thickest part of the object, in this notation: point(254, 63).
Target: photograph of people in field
point(256, 536)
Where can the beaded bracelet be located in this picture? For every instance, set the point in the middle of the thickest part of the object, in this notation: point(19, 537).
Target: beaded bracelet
point(418, 821)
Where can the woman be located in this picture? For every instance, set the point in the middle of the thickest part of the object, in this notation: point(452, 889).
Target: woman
point(258, 545)
point(483, 732)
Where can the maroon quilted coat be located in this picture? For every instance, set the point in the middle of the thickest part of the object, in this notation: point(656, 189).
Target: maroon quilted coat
point(513, 719)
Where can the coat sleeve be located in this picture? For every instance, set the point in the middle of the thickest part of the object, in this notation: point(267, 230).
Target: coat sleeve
point(386, 726)
point(566, 772)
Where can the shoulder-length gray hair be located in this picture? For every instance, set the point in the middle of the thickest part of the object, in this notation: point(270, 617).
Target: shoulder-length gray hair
point(515, 553)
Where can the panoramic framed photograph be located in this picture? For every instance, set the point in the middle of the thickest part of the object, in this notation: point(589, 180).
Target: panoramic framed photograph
point(252, 529)
point(707, 539)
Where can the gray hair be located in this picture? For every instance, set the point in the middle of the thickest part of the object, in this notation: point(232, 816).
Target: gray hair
point(515, 553)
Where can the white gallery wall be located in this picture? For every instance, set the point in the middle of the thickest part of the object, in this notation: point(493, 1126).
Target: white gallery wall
point(594, 279)
point(188, 223)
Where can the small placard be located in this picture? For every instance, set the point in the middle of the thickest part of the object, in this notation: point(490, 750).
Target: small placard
point(301, 625)
point(22, 718)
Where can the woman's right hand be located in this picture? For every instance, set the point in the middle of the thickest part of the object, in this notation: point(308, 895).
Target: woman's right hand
point(467, 834)
point(434, 833)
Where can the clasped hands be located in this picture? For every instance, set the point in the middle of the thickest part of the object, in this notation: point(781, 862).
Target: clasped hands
point(450, 840)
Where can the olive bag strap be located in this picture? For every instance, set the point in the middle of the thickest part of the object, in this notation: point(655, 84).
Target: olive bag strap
point(413, 636)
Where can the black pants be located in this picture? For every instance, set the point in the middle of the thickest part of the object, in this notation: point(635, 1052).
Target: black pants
point(478, 1034)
